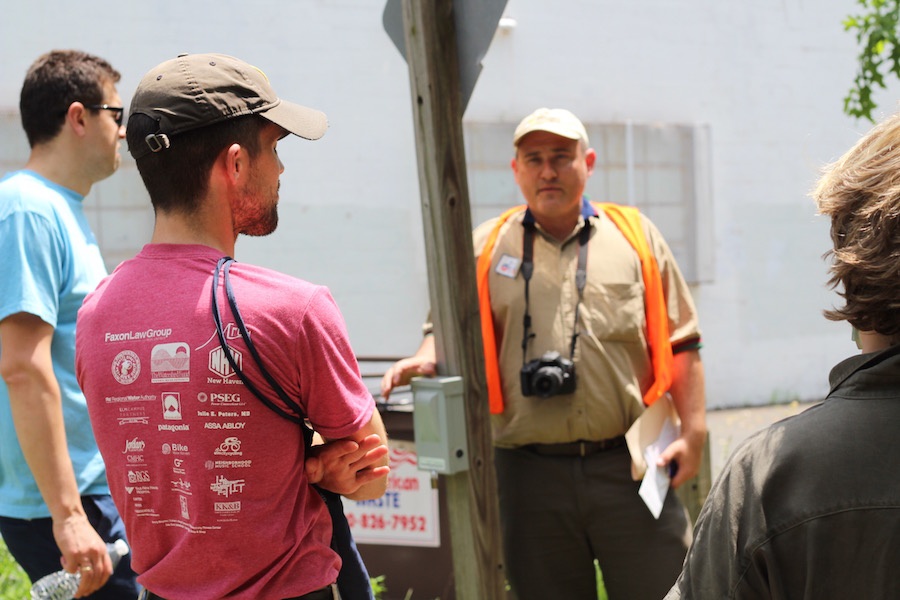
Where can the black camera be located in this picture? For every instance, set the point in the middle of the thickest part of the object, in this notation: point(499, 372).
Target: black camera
point(549, 375)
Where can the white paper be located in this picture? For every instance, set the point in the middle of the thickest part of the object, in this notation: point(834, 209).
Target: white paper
point(656, 481)
point(645, 431)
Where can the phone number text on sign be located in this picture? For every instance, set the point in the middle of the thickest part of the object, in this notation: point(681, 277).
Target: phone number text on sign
point(407, 514)
point(394, 523)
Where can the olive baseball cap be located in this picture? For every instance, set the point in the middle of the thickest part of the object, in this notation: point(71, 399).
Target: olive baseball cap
point(558, 121)
point(198, 90)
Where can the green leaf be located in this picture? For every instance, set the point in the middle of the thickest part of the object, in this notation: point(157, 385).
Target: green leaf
point(879, 53)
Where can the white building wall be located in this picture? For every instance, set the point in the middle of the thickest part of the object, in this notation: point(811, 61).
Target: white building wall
point(767, 79)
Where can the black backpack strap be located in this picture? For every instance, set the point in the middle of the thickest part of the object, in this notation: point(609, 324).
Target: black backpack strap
point(353, 578)
point(299, 417)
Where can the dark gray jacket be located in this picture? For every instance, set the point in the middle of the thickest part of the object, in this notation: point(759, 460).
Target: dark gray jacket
point(809, 508)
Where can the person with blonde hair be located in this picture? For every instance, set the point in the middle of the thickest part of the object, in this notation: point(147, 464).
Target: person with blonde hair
point(810, 507)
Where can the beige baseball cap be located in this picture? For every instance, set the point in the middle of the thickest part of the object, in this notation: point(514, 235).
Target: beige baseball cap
point(197, 90)
point(554, 120)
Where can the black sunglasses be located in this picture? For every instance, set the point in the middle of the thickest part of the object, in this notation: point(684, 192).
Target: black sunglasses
point(120, 112)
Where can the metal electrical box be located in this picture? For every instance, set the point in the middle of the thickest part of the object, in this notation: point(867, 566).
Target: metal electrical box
point(439, 423)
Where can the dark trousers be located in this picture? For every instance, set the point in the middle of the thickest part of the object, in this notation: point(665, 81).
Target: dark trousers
point(31, 543)
point(559, 514)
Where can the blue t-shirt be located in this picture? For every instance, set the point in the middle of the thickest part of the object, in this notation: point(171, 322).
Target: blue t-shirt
point(49, 261)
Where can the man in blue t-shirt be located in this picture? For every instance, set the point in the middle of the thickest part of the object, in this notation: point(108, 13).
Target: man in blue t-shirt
point(54, 499)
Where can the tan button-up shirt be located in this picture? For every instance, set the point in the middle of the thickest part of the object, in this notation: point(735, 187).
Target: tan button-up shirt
point(612, 360)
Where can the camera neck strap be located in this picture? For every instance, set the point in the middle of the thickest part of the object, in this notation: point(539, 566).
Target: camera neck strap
point(224, 265)
point(584, 236)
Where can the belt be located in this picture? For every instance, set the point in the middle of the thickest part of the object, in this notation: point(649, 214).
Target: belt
point(579, 448)
point(326, 593)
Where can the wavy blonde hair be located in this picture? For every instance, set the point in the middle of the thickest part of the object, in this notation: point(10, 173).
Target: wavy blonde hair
point(861, 194)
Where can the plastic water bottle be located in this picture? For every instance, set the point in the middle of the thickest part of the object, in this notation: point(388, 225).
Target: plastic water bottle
point(62, 585)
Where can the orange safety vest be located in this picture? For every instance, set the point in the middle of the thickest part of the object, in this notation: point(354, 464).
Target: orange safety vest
point(628, 220)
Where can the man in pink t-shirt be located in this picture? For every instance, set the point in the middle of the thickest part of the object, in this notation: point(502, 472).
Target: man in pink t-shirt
point(213, 485)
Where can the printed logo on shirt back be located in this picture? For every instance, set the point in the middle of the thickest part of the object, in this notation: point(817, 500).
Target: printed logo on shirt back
point(170, 363)
point(126, 367)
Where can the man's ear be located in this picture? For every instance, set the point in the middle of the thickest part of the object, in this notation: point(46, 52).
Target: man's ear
point(590, 157)
point(236, 164)
point(75, 118)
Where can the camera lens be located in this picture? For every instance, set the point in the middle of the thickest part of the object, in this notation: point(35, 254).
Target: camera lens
point(547, 380)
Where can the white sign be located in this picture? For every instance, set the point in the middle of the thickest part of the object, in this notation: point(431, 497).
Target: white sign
point(407, 514)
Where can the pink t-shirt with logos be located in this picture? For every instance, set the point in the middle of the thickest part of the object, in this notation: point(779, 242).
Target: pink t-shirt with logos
point(210, 481)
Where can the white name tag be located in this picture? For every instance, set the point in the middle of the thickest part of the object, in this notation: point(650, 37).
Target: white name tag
point(508, 266)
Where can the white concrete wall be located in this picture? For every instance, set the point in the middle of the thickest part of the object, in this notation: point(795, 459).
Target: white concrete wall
point(767, 78)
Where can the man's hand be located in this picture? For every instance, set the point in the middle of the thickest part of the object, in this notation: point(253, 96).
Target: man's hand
point(402, 371)
point(83, 551)
point(690, 402)
point(684, 455)
point(343, 466)
point(26, 366)
point(422, 363)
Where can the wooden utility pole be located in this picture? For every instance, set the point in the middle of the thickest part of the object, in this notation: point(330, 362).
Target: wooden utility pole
point(431, 53)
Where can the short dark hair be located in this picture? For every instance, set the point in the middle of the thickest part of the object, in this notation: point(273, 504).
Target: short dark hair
point(177, 177)
point(861, 194)
point(53, 82)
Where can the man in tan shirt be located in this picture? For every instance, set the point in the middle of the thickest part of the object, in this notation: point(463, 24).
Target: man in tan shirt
point(566, 492)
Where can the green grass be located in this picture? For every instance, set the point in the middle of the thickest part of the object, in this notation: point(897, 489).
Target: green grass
point(378, 587)
point(14, 584)
point(601, 589)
